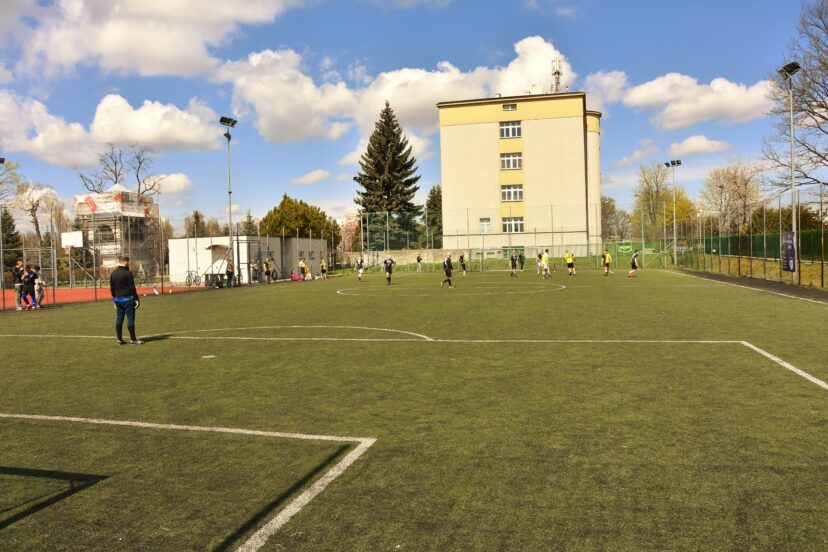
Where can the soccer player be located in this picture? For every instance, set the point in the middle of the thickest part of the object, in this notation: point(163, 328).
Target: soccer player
point(521, 260)
point(389, 268)
point(323, 268)
point(545, 264)
point(539, 263)
point(17, 279)
point(228, 272)
point(463, 263)
point(570, 262)
point(360, 265)
point(125, 296)
point(447, 269)
point(513, 263)
point(633, 264)
point(267, 270)
point(606, 259)
point(29, 279)
point(419, 263)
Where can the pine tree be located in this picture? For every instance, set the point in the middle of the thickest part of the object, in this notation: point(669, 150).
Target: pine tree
point(11, 241)
point(388, 169)
point(249, 226)
point(434, 212)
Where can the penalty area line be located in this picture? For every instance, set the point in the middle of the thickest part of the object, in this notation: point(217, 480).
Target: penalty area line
point(260, 537)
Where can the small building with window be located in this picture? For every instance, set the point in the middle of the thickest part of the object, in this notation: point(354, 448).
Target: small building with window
point(521, 172)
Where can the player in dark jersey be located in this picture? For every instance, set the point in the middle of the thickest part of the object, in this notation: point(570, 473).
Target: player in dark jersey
point(633, 264)
point(360, 265)
point(463, 263)
point(513, 262)
point(447, 270)
point(389, 268)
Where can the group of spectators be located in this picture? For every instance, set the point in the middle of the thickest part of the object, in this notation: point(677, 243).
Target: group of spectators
point(29, 287)
point(305, 271)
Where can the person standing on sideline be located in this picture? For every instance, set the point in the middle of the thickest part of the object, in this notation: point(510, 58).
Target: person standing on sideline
point(570, 262)
point(633, 264)
point(448, 268)
point(267, 270)
point(521, 260)
point(228, 272)
point(539, 262)
point(513, 261)
point(125, 296)
point(17, 280)
point(419, 263)
point(545, 264)
point(606, 259)
point(360, 266)
point(40, 287)
point(323, 268)
point(29, 279)
point(389, 268)
point(463, 263)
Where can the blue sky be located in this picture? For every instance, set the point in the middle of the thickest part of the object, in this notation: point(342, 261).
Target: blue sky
point(307, 78)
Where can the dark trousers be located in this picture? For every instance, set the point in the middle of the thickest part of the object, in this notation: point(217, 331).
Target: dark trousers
point(229, 278)
point(125, 309)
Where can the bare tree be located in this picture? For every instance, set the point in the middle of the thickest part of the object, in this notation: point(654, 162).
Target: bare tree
point(33, 198)
point(810, 102)
point(140, 164)
point(10, 179)
point(731, 191)
point(116, 165)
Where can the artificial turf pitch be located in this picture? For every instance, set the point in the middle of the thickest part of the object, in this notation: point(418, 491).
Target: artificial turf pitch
point(580, 413)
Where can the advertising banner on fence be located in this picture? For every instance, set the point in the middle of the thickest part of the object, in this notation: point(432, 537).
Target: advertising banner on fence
point(788, 252)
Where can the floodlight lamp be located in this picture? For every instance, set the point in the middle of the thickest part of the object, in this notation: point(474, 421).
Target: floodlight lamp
point(666, 163)
point(227, 135)
point(789, 70)
point(2, 160)
point(678, 161)
point(228, 122)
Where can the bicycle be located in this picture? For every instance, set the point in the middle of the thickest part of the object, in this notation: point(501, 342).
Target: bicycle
point(193, 278)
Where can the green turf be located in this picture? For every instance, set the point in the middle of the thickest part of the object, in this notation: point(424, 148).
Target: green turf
point(481, 445)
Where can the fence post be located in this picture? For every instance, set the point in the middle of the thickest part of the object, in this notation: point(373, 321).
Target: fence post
point(2, 260)
point(764, 242)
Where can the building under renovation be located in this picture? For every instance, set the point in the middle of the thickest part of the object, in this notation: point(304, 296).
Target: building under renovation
point(120, 222)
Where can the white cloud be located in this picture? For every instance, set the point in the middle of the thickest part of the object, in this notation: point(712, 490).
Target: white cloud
point(313, 177)
point(5, 74)
point(30, 128)
point(412, 3)
point(150, 38)
point(175, 184)
point(695, 145)
point(289, 106)
point(680, 101)
point(647, 149)
point(603, 88)
point(162, 126)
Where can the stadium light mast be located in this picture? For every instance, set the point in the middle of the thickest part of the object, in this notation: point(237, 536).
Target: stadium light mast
point(787, 72)
point(673, 163)
point(229, 123)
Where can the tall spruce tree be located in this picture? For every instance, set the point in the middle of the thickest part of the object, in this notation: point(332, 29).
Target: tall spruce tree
point(11, 241)
point(388, 168)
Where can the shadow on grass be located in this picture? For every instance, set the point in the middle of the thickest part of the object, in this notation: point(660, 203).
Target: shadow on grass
point(278, 501)
point(77, 482)
point(156, 337)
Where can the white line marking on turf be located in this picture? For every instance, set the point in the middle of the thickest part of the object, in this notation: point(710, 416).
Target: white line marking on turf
point(260, 537)
point(421, 336)
point(747, 287)
point(786, 365)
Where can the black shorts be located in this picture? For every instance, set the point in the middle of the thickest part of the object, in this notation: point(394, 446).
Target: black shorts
point(570, 265)
point(634, 266)
point(324, 271)
point(463, 266)
point(448, 272)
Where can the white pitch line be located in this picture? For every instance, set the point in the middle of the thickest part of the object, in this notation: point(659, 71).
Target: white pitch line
point(260, 537)
point(747, 287)
point(421, 336)
point(786, 365)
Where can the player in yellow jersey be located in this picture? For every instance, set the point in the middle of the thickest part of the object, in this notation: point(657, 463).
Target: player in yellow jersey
point(606, 259)
point(545, 264)
point(570, 262)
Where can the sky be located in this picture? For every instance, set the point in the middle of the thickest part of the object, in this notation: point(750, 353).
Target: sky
point(306, 79)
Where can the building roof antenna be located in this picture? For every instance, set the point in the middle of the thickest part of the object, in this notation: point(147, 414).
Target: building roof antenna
point(556, 75)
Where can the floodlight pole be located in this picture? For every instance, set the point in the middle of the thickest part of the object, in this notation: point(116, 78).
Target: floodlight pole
point(787, 72)
point(2, 268)
point(229, 123)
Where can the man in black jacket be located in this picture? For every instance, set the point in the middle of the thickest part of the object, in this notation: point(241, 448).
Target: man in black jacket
point(125, 296)
point(17, 279)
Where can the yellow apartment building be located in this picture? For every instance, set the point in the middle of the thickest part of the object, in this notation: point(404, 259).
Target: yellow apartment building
point(521, 171)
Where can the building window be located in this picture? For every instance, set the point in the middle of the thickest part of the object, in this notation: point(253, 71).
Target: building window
point(509, 107)
point(510, 129)
point(511, 161)
point(485, 225)
point(512, 192)
point(513, 225)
